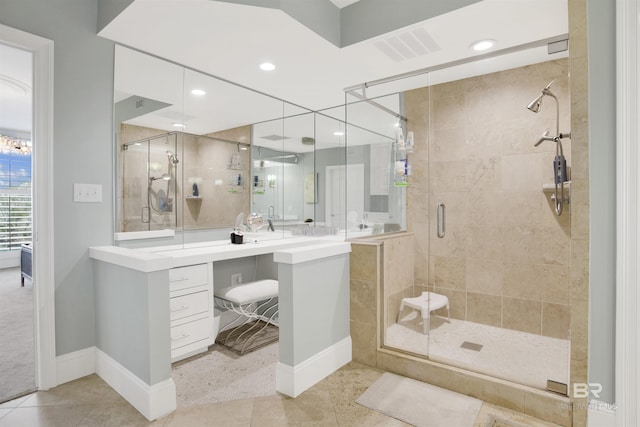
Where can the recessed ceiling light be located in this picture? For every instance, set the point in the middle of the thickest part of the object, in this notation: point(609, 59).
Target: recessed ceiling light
point(267, 66)
point(198, 92)
point(338, 133)
point(481, 45)
point(179, 125)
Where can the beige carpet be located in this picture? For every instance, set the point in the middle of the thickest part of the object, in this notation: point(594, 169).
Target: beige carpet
point(220, 375)
point(17, 358)
point(420, 404)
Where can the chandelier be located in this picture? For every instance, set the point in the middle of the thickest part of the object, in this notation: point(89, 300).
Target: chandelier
point(11, 145)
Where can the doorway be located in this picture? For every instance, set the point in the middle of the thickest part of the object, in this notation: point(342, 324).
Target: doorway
point(40, 52)
point(341, 211)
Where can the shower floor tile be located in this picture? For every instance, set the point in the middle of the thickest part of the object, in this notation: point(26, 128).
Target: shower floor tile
point(519, 357)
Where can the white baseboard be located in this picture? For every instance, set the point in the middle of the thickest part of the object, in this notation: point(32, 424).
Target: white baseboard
point(293, 380)
point(77, 364)
point(153, 401)
point(601, 414)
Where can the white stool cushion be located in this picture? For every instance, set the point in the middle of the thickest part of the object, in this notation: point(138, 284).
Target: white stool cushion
point(247, 293)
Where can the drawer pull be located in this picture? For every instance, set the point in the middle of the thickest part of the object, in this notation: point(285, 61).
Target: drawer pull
point(181, 337)
point(184, 307)
point(182, 279)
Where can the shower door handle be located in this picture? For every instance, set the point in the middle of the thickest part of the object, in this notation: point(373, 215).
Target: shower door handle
point(441, 220)
point(142, 211)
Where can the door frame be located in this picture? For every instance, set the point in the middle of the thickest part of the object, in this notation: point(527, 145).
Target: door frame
point(627, 359)
point(42, 187)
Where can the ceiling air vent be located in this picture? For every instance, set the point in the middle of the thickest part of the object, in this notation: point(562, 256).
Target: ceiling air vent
point(275, 137)
point(408, 45)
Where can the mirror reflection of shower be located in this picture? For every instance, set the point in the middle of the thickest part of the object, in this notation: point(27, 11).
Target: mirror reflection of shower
point(159, 190)
point(559, 162)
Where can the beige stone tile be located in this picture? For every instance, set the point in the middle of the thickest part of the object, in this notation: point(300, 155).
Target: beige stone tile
point(4, 412)
point(484, 277)
point(555, 320)
point(485, 309)
point(456, 208)
point(496, 392)
point(523, 281)
point(448, 144)
point(580, 156)
point(484, 174)
point(522, 315)
point(579, 285)
point(46, 416)
point(449, 272)
point(363, 262)
point(548, 407)
point(454, 244)
point(522, 244)
point(555, 284)
point(523, 207)
point(580, 209)
point(14, 403)
point(313, 407)
point(363, 343)
point(485, 242)
point(578, 27)
point(579, 94)
point(522, 172)
point(486, 208)
point(484, 142)
point(457, 303)
point(363, 301)
point(496, 416)
point(117, 413)
point(448, 176)
point(447, 111)
point(86, 390)
point(233, 413)
point(398, 262)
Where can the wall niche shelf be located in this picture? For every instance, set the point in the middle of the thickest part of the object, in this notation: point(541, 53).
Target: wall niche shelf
point(550, 188)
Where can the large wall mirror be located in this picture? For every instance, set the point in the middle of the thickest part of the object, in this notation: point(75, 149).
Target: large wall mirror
point(196, 154)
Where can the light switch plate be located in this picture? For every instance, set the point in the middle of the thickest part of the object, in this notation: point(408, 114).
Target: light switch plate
point(87, 193)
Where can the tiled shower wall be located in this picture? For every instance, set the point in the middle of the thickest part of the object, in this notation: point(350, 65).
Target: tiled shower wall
point(204, 161)
point(505, 258)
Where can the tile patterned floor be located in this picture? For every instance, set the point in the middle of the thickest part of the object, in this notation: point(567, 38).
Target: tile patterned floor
point(90, 402)
point(515, 356)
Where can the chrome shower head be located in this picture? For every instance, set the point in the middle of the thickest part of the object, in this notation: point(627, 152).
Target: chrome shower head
point(172, 158)
point(535, 104)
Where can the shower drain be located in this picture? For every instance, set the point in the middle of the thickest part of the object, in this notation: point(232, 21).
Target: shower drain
point(471, 346)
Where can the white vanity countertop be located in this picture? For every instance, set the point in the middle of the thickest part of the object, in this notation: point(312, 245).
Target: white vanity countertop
point(153, 259)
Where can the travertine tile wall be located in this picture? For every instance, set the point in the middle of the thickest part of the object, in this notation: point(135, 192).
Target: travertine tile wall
point(505, 258)
point(134, 179)
point(579, 274)
point(204, 161)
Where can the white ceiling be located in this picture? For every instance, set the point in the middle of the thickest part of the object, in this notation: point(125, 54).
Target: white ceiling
point(230, 41)
point(15, 91)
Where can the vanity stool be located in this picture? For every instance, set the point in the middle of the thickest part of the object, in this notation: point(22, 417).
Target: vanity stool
point(426, 303)
point(256, 304)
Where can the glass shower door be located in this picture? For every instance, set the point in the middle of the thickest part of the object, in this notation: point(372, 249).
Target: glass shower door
point(150, 174)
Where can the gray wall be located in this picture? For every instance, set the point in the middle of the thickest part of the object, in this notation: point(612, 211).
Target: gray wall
point(314, 314)
point(83, 105)
point(602, 140)
point(132, 319)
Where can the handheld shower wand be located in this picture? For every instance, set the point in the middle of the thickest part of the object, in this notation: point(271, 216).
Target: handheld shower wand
point(559, 162)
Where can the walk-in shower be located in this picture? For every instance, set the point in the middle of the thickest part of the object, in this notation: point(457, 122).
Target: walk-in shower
point(502, 269)
point(150, 179)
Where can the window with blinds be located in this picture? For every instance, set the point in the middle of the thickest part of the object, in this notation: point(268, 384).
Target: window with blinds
point(15, 197)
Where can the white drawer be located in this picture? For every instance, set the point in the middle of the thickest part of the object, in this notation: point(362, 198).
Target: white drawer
point(187, 305)
point(186, 277)
point(190, 332)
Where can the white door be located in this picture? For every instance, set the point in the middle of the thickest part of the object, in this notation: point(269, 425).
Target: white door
point(344, 193)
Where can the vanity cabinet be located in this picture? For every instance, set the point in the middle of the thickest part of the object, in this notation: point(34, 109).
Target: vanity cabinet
point(191, 306)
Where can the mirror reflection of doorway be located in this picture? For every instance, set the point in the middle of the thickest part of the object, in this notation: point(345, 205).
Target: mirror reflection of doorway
point(17, 357)
point(344, 211)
